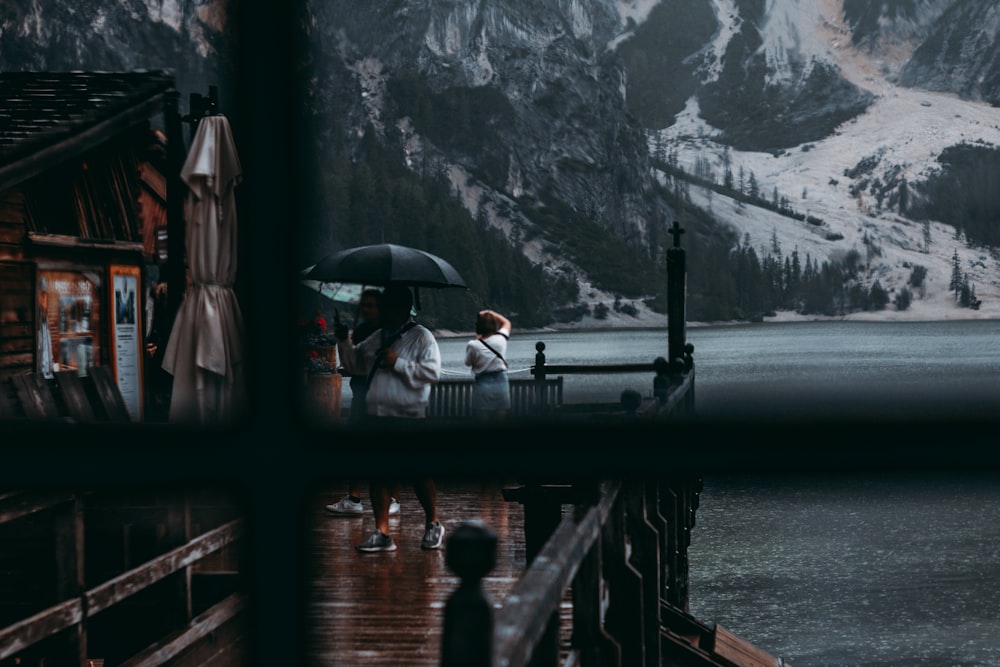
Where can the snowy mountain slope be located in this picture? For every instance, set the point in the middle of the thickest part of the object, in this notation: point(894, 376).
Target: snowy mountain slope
point(902, 132)
point(804, 96)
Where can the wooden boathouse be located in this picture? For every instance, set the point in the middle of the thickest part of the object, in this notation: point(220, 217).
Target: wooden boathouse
point(93, 573)
point(90, 220)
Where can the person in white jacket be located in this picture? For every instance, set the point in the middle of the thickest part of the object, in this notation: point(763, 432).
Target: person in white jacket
point(402, 360)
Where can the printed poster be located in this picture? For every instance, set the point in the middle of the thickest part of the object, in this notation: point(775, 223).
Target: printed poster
point(126, 339)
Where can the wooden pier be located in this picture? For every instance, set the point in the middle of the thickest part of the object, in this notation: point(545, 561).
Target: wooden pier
point(388, 608)
point(571, 575)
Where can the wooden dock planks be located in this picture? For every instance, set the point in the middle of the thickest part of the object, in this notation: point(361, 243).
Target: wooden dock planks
point(388, 608)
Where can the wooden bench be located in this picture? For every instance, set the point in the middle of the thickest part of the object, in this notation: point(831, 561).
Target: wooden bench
point(452, 399)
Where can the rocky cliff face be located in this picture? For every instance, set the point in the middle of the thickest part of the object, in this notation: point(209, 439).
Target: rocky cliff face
point(531, 106)
point(959, 53)
point(194, 38)
point(549, 101)
point(546, 92)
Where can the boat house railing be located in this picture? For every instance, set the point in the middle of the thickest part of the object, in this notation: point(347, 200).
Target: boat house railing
point(606, 583)
point(124, 579)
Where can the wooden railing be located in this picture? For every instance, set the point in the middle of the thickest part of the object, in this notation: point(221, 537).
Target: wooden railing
point(673, 375)
point(171, 602)
point(619, 555)
point(452, 398)
point(542, 395)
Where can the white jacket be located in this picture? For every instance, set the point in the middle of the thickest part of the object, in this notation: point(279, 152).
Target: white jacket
point(405, 389)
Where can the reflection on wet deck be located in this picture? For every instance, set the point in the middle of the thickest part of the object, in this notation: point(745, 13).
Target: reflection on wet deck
point(388, 608)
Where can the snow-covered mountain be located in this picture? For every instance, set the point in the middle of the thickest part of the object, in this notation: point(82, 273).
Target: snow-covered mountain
point(898, 136)
point(834, 105)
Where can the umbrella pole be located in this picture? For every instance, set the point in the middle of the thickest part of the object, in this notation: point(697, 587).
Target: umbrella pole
point(175, 278)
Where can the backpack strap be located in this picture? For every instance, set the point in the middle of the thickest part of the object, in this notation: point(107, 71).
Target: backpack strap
point(386, 344)
point(488, 347)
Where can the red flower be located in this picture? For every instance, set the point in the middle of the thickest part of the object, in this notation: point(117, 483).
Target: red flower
point(321, 322)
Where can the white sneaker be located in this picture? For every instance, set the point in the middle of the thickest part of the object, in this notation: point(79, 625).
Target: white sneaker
point(393, 506)
point(346, 507)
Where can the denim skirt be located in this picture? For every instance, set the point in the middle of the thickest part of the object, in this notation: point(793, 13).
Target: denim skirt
point(491, 391)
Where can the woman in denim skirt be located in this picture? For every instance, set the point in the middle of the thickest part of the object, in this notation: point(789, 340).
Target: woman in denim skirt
point(486, 354)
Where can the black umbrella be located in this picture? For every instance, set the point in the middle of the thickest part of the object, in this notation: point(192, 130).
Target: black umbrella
point(386, 264)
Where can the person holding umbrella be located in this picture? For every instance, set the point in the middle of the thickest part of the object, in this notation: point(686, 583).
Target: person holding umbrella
point(367, 323)
point(402, 360)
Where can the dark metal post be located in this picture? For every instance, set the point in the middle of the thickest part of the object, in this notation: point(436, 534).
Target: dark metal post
point(175, 268)
point(467, 640)
point(676, 293)
point(539, 372)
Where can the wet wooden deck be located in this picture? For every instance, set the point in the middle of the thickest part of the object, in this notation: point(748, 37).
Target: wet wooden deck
point(388, 608)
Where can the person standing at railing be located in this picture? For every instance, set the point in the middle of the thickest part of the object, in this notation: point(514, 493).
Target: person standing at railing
point(486, 354)
point(402, 360)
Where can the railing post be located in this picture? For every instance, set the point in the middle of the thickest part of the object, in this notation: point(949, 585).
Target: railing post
point(542, 515)
point(676, 293)
point(70, 577)
point(467, 639)
point(594, 646)
point(689, 404)
point(661, 383)
point(679, 501)
point(539, 372)
point(623, 619)
point(643, 537)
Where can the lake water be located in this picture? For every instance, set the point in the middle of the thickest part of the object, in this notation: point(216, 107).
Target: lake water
point(779, 370)
point(853, 571)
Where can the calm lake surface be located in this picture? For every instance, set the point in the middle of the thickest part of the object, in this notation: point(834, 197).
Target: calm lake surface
point(781, 370)
point(859, 571)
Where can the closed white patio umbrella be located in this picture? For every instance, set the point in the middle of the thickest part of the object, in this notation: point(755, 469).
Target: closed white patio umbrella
point(205, 349)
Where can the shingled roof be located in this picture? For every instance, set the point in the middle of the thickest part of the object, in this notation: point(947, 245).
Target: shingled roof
point(49, 117)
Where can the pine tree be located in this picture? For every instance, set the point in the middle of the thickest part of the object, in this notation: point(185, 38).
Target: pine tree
point(955, 285)
point(965, 293)
point(927, 236)
point(877, 296)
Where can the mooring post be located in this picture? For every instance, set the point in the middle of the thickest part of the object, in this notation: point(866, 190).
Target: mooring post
point(467, 638)
point(676, 293)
